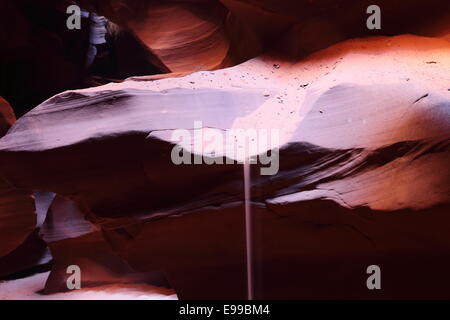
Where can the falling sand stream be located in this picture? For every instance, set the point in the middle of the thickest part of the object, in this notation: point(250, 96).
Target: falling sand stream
point(248, 229)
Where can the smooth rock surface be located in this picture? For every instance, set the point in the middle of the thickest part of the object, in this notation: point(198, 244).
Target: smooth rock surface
point(363, 175)
point(30, 289)
point(193, 35)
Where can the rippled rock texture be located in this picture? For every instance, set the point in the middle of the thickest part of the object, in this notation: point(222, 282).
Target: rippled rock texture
point(362, 178)
point(192, 35)
point(362, 142)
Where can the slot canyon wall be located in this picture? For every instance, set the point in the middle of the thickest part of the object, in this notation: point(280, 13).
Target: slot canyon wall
point(363, 178)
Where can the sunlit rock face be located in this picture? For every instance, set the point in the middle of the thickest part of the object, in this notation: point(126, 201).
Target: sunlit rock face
point(362, 175)
point(187, 36)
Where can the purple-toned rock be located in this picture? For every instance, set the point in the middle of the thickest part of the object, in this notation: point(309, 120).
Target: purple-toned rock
point(361, 173)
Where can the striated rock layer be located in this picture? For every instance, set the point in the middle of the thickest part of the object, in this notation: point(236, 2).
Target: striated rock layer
point(17, 211)
point(363, 174)
point(193, 35)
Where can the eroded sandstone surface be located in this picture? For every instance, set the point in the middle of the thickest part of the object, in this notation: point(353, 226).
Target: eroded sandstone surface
point(362, 177)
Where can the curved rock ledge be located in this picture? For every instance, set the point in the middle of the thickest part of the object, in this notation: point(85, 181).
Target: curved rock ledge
point(363, 174)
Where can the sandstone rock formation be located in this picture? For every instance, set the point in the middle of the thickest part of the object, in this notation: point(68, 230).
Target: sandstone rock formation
point(180, 36)
point(192, 35)
point(17, 216)
point(363, 175)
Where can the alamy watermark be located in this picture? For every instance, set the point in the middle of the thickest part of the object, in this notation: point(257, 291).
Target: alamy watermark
point(74, 280)
point(74, 20)
point(374, 280)
point(204, 145)
point(374, 20)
